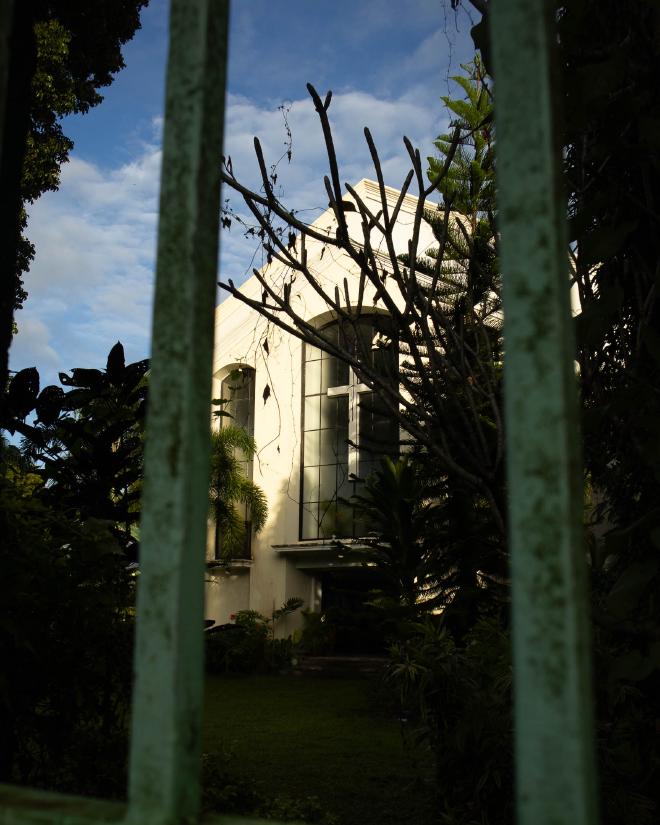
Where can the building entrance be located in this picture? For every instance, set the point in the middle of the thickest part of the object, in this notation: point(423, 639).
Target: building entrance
point(356, 627)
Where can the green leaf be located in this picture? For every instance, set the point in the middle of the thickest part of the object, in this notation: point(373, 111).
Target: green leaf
point(49, 404)
point(82, 378)
point(116, 363)
point(22, 393)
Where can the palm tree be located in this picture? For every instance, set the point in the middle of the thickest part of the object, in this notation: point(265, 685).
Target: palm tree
point(238, 505)
point(395, 501)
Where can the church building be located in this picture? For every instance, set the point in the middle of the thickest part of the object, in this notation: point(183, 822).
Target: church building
point(319, 431)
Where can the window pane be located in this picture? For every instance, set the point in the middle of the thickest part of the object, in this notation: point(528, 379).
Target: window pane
point(342, 415)
point(329, 448)
point(329, 407)
point(328, 486)
point(385, 437)
point(329, 526)
point(310, 484)
point(378, 435)
point(311, 448)
point(238, 391)
point(312, 353)
point(345, 487)
point(346, 337)
point(312, 377)
point(241, 412)
point(342, 450)
point(310, 522)
point(378, 405)
point(329, 374)
point(312, 409)
point(385, 361)
point(368, 466)
point(336, 520)
point(330, 333)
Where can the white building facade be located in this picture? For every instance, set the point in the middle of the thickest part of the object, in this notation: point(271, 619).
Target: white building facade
point(319, 431)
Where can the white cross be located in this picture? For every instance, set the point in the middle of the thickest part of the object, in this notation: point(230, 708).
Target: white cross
point(352, 390)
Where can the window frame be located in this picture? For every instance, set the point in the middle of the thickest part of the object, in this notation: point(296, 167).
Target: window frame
point(352, 379)
point(225, 420)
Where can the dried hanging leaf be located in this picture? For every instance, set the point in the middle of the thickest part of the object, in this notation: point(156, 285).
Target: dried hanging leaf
point(266, 393)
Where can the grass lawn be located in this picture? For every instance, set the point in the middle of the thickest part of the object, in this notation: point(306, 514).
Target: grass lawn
point(305, 736)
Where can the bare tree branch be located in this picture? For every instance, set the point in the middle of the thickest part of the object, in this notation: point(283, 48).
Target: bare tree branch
point(446, 395)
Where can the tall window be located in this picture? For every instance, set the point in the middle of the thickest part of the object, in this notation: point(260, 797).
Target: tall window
point(347, 428)
point(237, 389)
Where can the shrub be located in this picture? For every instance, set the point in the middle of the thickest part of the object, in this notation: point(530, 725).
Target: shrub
point(237, 648)
point(317, 637)
point(249, 645)
point(66, 649)
point(225, 792)
point(220, 644)
point(457, 701)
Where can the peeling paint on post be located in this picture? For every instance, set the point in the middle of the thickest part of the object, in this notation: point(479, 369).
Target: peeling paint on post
point(166, 719)
point(552, 670)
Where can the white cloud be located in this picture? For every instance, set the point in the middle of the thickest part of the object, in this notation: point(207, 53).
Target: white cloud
point(92, 279)
point(35, 346)
point(301, 181)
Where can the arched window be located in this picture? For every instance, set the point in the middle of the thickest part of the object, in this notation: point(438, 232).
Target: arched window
point(346, 426)
point(237, 391)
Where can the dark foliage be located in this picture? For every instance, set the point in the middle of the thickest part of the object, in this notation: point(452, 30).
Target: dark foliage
point(87, 442)
point(612, 115)
point(69, 502)
point(65, 643)
point(456, 699)
point(249, 645)
point(223, 791)
point(62, 53)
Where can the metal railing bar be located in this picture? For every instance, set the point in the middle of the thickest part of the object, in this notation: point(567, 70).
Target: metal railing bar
point(552, 673)
point(167, 702)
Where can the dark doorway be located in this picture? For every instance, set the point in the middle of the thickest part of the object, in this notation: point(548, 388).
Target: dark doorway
point(357, 627)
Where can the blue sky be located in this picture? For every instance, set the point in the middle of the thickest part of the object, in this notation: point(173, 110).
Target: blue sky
point(387, 63)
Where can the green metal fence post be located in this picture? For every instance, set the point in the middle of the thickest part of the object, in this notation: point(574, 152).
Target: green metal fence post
point(165, 738)
point(552, 678)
